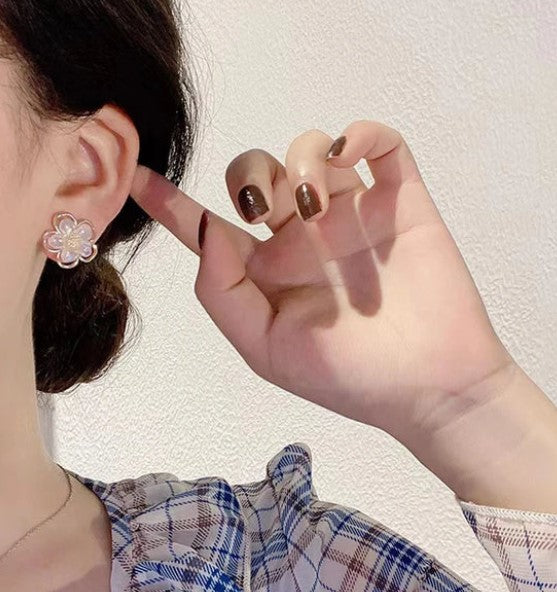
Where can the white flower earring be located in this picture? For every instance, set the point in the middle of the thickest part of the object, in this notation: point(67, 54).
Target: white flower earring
point(72, 241)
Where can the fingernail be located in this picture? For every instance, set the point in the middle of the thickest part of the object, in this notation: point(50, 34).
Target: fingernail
point(203, 228)
point(252, 202)
point(337, 147)
point(308, 200)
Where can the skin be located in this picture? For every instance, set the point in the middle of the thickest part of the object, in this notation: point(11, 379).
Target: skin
point(378, 263)
point(86, 168)
point(368, 310)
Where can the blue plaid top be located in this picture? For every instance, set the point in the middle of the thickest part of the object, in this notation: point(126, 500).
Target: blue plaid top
point(276, 535)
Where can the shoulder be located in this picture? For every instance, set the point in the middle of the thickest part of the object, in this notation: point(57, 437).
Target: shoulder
point(292, 463)
point(164, 525)
point(273, 533)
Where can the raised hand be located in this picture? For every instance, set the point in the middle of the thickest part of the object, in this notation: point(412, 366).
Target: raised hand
point(368, 308)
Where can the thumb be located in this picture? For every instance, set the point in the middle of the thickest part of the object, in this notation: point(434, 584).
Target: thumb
point(237, 306)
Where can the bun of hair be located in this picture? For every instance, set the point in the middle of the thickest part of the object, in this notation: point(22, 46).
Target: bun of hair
point(79, 322)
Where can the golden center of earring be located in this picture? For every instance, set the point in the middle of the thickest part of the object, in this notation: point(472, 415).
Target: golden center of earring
point(73, 243)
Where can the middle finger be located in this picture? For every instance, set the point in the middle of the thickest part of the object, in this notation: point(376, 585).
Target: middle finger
point(264, 190)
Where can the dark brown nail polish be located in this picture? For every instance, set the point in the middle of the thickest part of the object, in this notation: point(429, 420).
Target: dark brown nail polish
point(203, 228)
point(308, 200)
point(252, 202)
point(337, 146)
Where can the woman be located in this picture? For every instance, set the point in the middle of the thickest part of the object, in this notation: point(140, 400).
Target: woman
point(359, 302)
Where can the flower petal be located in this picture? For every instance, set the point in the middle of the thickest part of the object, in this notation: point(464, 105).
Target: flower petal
point(94, 253)
point(53, 241)
point(86, 250)
point(84, 231)
point(64, 223)
point(67, 256)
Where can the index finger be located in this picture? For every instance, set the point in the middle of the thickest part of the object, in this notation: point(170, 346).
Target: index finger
point(176, 210)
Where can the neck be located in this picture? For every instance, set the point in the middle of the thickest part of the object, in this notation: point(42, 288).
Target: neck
point(32, 486)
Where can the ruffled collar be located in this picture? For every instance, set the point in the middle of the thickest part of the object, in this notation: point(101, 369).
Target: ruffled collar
point(155, 530)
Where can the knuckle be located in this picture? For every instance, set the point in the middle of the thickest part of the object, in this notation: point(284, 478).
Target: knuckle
point(258, 367)
point(242, 161)
point(197, 289)
point(308, 137)
point(372, 126)
point(366, 123)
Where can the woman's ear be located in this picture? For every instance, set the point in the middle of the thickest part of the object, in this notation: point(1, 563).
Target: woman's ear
point(100, 166)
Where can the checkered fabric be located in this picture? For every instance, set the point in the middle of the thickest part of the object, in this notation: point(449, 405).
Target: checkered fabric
point(522, 544)
point(275, 535)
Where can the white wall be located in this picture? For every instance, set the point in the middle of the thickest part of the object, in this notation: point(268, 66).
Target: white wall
point(472, 87)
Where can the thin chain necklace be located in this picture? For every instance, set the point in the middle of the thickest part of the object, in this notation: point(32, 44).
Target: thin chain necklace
point(35, 528)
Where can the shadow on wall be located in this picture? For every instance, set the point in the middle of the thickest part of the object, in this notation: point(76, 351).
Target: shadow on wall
point(46, 418)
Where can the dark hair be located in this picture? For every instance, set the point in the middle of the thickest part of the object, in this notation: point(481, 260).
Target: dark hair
point(77, 56)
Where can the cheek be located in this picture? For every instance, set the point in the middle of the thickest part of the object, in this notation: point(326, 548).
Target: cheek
point(19, 216)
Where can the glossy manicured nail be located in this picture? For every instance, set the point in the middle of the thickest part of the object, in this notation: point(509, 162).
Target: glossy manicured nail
point(337, 147)
point(203, 228)
point(252, 202)
point(308, 200)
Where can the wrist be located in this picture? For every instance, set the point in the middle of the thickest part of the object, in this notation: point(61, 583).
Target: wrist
point(499, 447)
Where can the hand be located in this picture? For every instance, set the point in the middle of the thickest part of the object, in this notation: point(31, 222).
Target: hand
point(368, 309)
